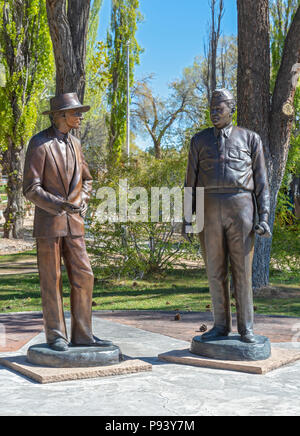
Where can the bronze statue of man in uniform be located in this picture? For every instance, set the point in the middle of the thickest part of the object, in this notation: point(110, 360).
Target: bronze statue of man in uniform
point(57, 180)
point(229, 163)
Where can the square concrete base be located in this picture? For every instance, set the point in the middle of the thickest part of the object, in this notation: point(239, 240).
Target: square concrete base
point(44, 375)
point(279, 358)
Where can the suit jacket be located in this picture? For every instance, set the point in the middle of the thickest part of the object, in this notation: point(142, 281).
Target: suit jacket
point(237, 164)
point(45, 184)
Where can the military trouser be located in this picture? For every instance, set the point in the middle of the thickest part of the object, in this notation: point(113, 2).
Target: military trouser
point(228, 236)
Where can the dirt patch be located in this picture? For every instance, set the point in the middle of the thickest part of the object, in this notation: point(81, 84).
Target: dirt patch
point(278, 292)
point(10, 246)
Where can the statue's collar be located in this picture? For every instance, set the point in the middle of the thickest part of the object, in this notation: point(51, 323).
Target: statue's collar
point(59, 135)
point(224, 132)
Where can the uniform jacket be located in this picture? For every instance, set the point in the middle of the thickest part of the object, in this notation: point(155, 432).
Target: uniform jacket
point(235, 164)
point(45, 184)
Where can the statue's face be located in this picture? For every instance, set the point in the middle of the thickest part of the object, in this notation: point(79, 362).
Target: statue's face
point(220, 115)
point(68, 120)
point(73, 118)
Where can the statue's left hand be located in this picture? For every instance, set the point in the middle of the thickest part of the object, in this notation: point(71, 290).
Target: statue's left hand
point(263, 230)
point(83, 210)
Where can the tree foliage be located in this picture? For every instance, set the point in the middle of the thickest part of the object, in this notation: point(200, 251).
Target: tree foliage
point(27, 58)
point(93, 131)
point(135, 248)
point(97, 62)
point(26, 53)
point(124, 20)
point(286, 234)
point(156, 116)
point(286, 240)
point(282, 13)
point(93, 28)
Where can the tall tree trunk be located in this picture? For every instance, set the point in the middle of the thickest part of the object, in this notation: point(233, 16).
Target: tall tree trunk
point(214, 43)
point(254, 67)
point(210, 78)
point(68, 23)
point(13, 158)
point(274, 123)
point(157, 149)
point(254, 97)
point(13, 163)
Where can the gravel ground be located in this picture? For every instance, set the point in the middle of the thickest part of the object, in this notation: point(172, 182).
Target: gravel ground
point(11, 246)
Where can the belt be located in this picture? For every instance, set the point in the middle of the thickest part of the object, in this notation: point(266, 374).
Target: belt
point(226, 190)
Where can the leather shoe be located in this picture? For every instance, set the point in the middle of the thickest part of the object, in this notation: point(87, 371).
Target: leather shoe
point(59, 345)
point(249, 338)
point(97, 343)
point(102, 342)
point(214, 333)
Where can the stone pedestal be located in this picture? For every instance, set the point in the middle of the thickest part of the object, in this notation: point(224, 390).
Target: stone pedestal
point(75, 357)
point(45, 374)
point(279, 358)
point(232, 348)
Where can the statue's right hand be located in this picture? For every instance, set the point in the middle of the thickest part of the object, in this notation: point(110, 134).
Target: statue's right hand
point(263, 230)
point(71, 208)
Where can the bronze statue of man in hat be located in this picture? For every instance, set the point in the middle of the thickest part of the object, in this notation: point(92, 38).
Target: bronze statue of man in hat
point(228, 162)
point(57, 180)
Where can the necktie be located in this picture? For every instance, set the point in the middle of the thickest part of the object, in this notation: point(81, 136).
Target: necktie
point(221, 141)
point(221, 152)
point(69, 159)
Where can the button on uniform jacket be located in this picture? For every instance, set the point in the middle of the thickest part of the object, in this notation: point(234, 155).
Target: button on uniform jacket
point(232, 163)
point(46, 185)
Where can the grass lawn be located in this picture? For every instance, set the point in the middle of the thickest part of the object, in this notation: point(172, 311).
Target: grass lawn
point(175, 290)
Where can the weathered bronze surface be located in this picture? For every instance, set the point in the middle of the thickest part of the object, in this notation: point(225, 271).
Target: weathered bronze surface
point(231, 348)
point(57, 180)
point(229, 163)
point(74, 357)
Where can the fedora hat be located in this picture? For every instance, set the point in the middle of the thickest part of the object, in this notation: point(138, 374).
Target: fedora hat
point(64, 102)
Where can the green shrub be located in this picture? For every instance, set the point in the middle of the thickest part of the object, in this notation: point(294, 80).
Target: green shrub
point(136, 249)
point(286, 233)
point(286, 247)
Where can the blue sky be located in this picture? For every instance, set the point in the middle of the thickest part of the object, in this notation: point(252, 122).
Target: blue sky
point(172, 34)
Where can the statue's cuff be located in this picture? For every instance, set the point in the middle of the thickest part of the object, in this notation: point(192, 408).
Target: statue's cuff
point(264, 217)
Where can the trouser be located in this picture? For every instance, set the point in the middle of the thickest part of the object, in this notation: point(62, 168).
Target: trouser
point(50, 251)
point(228, 236)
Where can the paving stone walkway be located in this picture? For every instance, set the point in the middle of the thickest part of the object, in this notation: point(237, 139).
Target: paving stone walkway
point(21, 327)
point(169, 390)
point(277, 329)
